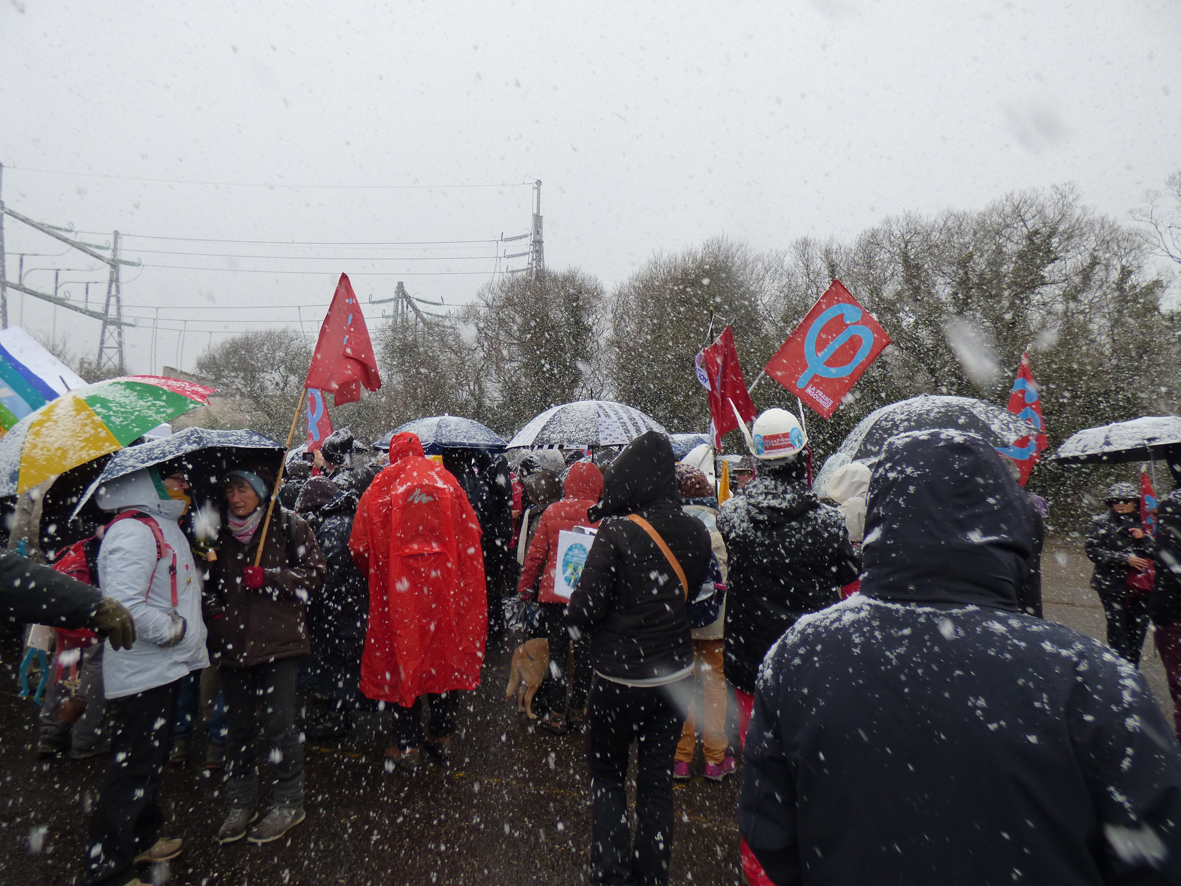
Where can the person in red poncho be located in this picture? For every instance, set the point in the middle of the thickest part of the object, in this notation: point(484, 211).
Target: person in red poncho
point(416, 538)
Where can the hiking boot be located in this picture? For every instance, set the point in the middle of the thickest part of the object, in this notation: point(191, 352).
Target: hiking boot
point(164, 850)
point(577, 720)
point(234, 827)
point(681, 771)
point(87, 753)
point(408, 761)
point(180, 752)
point(215, 757)
point(54, 746)
point(554, 723)
point(438, 748)
point(718, 771)
point(278, 822)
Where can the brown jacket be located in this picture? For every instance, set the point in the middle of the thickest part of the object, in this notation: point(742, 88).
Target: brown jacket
point(251, 627)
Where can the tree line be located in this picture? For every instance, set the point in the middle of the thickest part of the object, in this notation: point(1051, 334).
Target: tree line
point(961, 294)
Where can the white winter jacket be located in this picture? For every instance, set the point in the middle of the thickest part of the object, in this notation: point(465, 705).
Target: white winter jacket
point(129, 572)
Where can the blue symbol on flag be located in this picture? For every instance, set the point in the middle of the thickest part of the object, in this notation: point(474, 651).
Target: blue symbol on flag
point(817, 363)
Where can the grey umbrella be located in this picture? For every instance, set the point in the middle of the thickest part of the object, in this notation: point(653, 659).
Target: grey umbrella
point(447, 432)
point(585, 423)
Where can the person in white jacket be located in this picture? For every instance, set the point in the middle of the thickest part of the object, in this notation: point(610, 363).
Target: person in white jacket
point(157, 580)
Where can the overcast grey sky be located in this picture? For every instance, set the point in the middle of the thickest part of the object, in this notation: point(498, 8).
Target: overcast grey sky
point(652, 125)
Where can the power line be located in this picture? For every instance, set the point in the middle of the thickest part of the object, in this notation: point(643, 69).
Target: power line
point(323, 273)
point(300, 242)
point(272, 186)
point(340, 258)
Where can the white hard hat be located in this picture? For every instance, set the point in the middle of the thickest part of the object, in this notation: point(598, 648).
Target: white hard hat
point(775, 435)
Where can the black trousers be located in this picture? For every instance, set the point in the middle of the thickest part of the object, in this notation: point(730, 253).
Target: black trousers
point(263, 692)
point(651, 717)
point(407, 722)
point(1127, 622)
point(127, 817)
point(554, 688)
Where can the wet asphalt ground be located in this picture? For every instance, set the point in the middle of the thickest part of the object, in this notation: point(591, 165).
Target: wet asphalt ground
point(511, 809)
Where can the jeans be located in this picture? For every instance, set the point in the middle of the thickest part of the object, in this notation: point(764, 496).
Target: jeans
point(708, 660)
point(1127, 622)
point(268, 690)
point(187, 697)
point(127, 817)
point(407, 722)
point(650, 716)
point(554, 688)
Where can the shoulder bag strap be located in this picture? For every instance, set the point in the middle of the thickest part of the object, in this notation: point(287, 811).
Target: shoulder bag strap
point(664, 549)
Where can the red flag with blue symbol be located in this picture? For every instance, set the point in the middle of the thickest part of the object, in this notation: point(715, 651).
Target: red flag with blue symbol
point(319, 422)
point(343, 360)
point(1025, 402)
point(721, 373)
point(1147, 503)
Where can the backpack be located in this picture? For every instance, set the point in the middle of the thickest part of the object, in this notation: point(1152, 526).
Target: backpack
point(80, 561)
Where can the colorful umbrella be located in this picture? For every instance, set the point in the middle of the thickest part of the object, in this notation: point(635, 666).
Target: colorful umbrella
point(30, 376)
point(89, 422)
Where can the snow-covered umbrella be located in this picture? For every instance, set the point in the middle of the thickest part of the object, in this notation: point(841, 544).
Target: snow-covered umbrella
point(683, 444)
point(1149, 438)
point(585, 423)
point(447, 432)
point(204, 455)
point(995, 424)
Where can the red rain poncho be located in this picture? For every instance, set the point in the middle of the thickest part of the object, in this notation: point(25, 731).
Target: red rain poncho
point(417, 540)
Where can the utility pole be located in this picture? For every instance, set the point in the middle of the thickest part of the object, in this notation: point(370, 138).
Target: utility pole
point(110, 342)
point(3, 270)
point(536, 243)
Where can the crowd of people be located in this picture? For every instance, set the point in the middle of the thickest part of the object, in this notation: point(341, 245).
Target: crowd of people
point(904, 712)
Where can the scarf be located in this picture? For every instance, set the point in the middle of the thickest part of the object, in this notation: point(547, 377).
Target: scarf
point(243, 528)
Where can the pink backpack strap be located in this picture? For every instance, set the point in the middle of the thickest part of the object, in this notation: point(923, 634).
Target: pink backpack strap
point(163, 549)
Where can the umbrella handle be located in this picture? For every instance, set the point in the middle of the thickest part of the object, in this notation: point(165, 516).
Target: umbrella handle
point(266, 523)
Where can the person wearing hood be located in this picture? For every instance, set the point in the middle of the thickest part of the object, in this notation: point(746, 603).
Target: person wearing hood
point(417, 541)
point(337, 615)
point(583, 486)
point(630, 600)
point(257, 634)
point(788, 555)
point(486, 482)
point(926, 731)
point(1164, 604)
point(1122, 553)
point(849, 487)
point(163, 594)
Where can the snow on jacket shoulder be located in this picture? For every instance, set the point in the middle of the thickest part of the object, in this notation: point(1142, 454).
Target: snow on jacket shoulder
point(584, 485)
point(788, 555)
point(417, 540)
point(129, 571)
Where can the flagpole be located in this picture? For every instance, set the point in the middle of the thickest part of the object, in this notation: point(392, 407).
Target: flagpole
point(262, 539)
point(758, 378)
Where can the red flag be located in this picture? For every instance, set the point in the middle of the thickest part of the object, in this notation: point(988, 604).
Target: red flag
point(1147, 503)
point(719, 370)
point(319, 422)
point(1024, 402)
point(830, 349)
point(344, 358)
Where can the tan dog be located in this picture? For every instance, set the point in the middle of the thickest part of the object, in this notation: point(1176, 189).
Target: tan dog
point(530, 662)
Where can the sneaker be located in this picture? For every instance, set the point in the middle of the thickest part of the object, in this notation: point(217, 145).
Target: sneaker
point(234, 827)
point(164, 850)
point(438, 748)
point(554, 723)
point(681, 771)
point(577, 720)
point(215, 757)
point(180, 752)
point(718, 771)
point(407, 761)
point(278, 822)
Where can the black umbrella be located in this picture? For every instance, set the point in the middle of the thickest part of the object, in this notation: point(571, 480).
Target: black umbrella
point(447, 432)
point(998, 427)
point(1141, 439)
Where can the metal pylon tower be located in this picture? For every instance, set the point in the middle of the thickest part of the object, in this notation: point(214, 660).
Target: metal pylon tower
point(110, 342)
point(536, 243)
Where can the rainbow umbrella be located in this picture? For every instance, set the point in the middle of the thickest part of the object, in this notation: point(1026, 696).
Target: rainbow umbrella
point(89, 422)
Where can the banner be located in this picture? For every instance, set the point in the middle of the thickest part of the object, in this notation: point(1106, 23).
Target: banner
point(830, 349)
point(720, 372)
point(319, 422)
point(1024, 402)
point(1147, 503)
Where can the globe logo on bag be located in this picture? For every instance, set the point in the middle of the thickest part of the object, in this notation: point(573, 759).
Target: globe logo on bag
point(818, 363)
point(572, 564)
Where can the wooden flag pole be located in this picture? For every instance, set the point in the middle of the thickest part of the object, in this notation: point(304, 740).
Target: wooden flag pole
point(262, 539)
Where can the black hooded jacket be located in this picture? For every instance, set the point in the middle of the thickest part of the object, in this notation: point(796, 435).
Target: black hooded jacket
point(927, 732)
point(629, 598)
point(489, 490)
point(1109, 544)
point(339, 614)
point(1164, 604)
point(788, 555)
